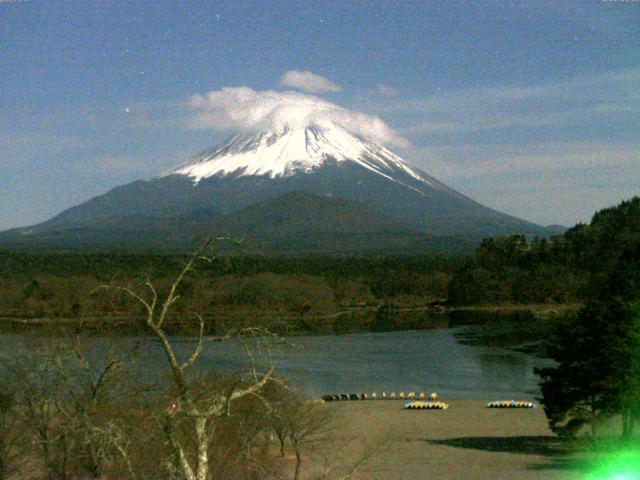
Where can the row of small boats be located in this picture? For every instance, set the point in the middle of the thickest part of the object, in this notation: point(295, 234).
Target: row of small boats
point(426, 406)
point(376, 396)
point(511, 404)
point(495, 404)
point(420, 400)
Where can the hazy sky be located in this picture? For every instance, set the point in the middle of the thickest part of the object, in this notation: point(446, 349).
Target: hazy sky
point(532, 108)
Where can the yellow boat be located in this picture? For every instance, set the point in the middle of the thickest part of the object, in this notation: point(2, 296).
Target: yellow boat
point(426, 406)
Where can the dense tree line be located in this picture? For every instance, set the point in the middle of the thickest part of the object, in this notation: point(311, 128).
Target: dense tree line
point(598, 350)
point(502, 270)
point(64, 286)
point(104, 266)
point(513, 269)
point(562, 269)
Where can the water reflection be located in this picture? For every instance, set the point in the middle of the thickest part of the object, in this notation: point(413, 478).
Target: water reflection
point(425, 360)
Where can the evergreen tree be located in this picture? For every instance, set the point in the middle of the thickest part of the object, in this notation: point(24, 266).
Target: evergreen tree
point(629, 383)
point(588, 381)
point(598, 352)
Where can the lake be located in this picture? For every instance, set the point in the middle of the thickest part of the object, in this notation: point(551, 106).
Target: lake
point(418, 360)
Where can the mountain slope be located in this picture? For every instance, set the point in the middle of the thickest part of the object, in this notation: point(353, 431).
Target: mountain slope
point(322, 161)
point(305, 214)
point(301, 222)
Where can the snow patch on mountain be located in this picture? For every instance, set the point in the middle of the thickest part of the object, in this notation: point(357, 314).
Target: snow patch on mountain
point(287, 151)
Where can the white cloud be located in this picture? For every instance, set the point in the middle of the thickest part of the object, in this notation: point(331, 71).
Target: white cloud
point(245, 109)
point(309, 82)
point(386, 90)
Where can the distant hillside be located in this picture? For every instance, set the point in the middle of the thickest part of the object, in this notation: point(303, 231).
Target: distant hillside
point(304, 214)
point(559, 269)
point(297, 223)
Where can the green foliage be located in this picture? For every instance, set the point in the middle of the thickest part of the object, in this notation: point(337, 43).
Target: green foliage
point(598, 352)
point(586, 383)
point(473, 286)
point(564, 269)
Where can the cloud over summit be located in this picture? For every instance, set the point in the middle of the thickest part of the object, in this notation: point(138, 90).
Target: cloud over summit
point(309, 82)
point(245, 109)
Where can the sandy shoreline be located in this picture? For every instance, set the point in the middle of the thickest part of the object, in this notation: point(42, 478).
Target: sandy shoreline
point(467, 441)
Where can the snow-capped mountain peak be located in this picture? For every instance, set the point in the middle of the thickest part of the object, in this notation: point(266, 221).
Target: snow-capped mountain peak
point(288, 151)
point(310, 189)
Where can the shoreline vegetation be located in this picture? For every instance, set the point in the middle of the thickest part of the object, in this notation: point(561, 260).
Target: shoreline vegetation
point(539, 310)
point(511, 326)
point(313, 295)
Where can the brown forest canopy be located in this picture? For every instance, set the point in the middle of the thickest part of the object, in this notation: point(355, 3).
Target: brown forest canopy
point(501, 270)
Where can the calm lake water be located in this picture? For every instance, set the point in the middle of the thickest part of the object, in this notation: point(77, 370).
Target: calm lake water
point(424, 360)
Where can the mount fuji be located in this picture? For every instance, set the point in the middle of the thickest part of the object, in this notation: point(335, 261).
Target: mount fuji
point(317, 188)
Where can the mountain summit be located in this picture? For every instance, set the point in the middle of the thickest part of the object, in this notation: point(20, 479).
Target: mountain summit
point(315, 188)
point(287, 151)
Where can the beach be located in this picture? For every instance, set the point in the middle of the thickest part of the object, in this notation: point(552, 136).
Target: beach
point(381, 440)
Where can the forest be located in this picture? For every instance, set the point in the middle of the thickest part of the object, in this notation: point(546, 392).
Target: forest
point(501, 271)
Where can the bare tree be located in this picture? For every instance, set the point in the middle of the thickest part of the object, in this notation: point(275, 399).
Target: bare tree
point(191, 456)
point(64, 401)
point(8, 428)
point(92, 385)
point(42, 411)
point(294, 419)
point(306, 425)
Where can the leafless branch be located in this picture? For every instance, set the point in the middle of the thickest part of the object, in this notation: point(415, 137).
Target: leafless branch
point(172, 297)
point(131, 293)
point(196, 352)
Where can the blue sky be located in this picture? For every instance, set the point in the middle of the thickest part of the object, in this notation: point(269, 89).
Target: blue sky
point(532, 108)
